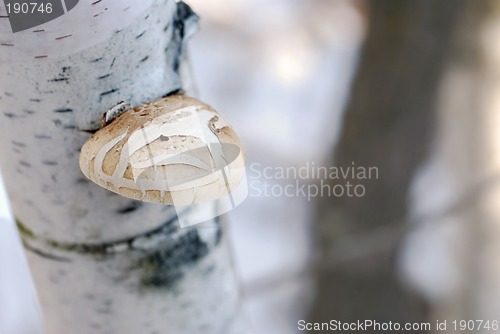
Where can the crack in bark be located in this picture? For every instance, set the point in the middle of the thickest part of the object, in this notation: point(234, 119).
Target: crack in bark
point(105, 248)
point(46, 255)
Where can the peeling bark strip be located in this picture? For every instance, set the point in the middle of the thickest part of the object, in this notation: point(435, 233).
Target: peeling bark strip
point(102, 264)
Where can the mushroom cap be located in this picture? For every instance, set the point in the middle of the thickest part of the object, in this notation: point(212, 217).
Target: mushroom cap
point(175, 150)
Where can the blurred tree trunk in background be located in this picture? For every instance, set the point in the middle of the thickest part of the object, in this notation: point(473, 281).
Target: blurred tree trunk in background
point(467, 150)
point(389, 124)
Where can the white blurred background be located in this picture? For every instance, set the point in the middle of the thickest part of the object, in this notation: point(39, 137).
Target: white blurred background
point(19, 313)
point(279, 71)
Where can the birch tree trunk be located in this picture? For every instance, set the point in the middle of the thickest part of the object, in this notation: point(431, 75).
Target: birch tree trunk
point(103, 263)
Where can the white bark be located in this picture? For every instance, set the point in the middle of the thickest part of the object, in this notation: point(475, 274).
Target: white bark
point(103, 263)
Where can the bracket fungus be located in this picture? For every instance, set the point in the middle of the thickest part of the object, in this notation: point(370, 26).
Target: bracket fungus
point(175, 150)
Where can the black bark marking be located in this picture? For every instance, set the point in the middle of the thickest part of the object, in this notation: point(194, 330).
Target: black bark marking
point(63, 37)
point(70, 127)
point(103, 76)
point(130, 208)
point(63, 110)
point(219, 234)
point(10, 115)
point(18, 144)
point(7, 44)
point(59, 80)
point(63, 76)
point(164, 267)
point(96, 2)
point(39, 30)
point(36, 100)
point(176, 64)
point(112, 63)
point(166, 27)
point(96, 15)
point(175, 91)
point(141, 34)
point(40, 57)
point(91, 131)
point(144, 59)
point(114, 90)
point(29, 112)
point(147, 16)
point(96, 60)
point(49, 163)
point(183, 15)
point(42, 137)
point(24, 164)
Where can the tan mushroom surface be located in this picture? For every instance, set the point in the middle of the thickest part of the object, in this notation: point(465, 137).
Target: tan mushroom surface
point(175, 150)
